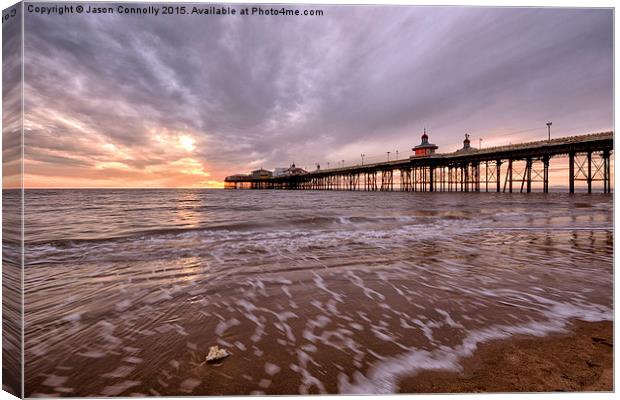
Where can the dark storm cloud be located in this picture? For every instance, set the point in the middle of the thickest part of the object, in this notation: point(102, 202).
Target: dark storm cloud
point(262, 91)
point(11, 99)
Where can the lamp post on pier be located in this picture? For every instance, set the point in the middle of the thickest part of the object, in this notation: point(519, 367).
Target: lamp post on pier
point(549, 130)
point(363, 155)
point(388, 153)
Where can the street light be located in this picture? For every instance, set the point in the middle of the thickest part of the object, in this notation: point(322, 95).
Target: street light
point(479, 143)
point(549, 129)
point(388, 153)
point(363, 155)
point(342, 163)
point(397, 154)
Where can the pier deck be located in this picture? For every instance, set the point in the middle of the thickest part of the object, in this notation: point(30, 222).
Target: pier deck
point(505, 168)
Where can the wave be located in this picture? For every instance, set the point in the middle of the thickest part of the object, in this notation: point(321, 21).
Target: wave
point(143, 234)
point(274, 224)
point(383, 377)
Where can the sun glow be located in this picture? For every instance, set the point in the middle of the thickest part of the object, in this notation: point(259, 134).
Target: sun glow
point(111, 165)
point(187, 143)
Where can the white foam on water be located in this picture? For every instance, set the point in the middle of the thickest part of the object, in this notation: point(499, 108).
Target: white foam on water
point(39, 350)
point(383, 376)
point(381, 334)
point(308, 380)
point(356, 326)
point(368, 292)
point(44, 395)
point(55, 380)
point(189, 384)
point(258, 321)
point(119, 388)
point(92, 354)
point(123, 305)
point(223, 342)
point(271, 369)
point(76, 317)
point(449, 321)
point(258, 352)
point(225, 325)
point(320, 283)
point(63, 390)
point(120, 372)
point(310, 348)
point(165, 328)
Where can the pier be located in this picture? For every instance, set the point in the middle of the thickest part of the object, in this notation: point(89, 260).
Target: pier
point(512, 168)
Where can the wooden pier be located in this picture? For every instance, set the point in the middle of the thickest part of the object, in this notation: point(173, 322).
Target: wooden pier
point(496, 169)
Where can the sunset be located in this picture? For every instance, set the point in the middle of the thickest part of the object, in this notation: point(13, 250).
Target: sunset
point(138, 101)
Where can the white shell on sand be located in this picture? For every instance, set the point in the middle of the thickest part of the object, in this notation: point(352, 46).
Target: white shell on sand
point(215, 353)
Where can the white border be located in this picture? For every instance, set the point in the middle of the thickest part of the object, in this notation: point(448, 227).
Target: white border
point(483, 3)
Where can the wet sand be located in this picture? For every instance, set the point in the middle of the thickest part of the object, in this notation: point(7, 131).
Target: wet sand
point(354, 299)
point(581, 360)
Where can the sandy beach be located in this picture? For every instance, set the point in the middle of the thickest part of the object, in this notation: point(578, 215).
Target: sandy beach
point(581, 360)
point(354, 300)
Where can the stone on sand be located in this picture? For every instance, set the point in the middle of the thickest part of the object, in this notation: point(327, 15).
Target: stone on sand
point(215, 354)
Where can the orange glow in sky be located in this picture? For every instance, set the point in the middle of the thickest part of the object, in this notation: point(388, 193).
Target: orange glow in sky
point(154, 105)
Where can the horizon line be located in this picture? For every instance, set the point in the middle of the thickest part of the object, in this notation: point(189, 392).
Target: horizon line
point(222, 188)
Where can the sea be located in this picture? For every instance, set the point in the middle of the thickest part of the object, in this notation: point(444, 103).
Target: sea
point(310, 292)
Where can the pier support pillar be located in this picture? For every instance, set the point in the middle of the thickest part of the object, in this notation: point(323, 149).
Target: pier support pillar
point(431, 173)
point(509, 175)
point(571, 172)
point(589, 171)
point(546, 174)
point(498, 167)
point(606, 173)
point(468, 178)
point(486, 176)
point(529, 175)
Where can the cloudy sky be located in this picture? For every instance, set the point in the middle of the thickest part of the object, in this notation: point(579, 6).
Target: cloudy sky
point(183, 101)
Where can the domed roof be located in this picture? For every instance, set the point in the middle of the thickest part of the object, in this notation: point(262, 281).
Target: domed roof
point(466, 144)
point(425, 143)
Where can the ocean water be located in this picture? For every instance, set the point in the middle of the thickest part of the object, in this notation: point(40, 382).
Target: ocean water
point(311, 292)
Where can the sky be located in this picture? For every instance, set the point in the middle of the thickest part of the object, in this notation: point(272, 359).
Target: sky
point(183, 101)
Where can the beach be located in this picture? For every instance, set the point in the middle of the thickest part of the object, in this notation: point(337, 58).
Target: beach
point(316, 292)
point(580, 360)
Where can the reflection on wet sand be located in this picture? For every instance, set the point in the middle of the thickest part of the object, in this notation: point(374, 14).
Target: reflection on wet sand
point(311, 292)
